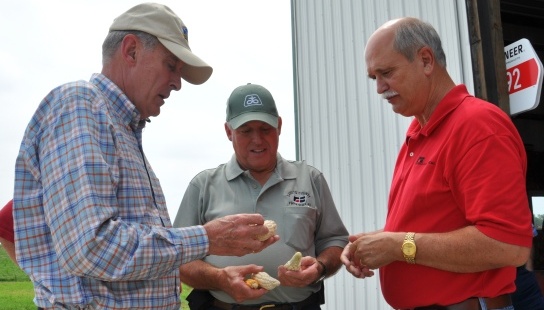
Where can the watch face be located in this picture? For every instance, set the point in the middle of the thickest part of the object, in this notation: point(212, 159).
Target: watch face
point(409, 249)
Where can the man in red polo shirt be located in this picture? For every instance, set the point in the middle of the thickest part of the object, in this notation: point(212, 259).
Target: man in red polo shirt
point(458, 222)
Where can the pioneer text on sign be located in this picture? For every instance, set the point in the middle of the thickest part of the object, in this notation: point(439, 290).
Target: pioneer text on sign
point(513, 51)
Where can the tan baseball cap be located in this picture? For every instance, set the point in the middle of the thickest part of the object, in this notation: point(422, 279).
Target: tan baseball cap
point(160, 21)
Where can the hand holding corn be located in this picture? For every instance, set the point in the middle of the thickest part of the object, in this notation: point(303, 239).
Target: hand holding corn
point(234, 235)
point(271, 225)
point(262, 280)
point(294, 263)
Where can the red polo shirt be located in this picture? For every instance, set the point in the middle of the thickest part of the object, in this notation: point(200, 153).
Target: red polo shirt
point(6, 221)
point(465, 167)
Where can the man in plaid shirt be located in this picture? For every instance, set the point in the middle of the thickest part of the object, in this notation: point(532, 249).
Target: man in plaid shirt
point(91, 225)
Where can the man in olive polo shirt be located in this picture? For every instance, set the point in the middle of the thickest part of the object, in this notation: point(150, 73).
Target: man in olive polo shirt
point(258, 180)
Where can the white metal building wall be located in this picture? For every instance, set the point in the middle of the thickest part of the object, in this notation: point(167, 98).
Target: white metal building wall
point(343, 127)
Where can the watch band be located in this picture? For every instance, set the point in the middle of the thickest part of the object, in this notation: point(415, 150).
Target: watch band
point(410, 238)
point(323, 273)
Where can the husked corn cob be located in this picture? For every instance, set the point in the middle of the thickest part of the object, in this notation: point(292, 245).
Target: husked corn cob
point(266, 281)
point(294, 262)
point(271, 225)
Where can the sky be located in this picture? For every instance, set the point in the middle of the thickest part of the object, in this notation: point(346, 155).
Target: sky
point(44, 44)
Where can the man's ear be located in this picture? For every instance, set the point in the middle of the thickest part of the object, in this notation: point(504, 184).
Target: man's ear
point(228, 131)
point(279, 125)
point(129, 46)
point(427, 58)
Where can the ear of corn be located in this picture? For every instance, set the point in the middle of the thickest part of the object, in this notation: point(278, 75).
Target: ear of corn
point(294, 262)
point(271, 225)
point(266, 281)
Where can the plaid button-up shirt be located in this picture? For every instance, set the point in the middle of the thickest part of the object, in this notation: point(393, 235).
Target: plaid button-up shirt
point(91, 225)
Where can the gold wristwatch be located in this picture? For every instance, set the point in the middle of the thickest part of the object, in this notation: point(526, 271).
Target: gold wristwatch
point(409, 248)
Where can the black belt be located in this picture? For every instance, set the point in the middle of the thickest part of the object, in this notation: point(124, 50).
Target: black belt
point(473, 303)
point(312, 300)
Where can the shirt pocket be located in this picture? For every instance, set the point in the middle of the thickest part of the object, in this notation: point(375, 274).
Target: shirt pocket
point(299, 227)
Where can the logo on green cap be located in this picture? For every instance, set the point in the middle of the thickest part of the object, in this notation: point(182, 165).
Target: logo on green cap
point(252, 100)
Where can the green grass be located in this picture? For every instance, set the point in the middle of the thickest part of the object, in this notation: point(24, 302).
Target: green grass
point(16, 292)
point(8, 270)
point(186, 290)
point(15, 287)
point(16, 295)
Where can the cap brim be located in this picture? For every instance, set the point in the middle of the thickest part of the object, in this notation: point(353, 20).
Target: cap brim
point(196, 71)
point(253, 116)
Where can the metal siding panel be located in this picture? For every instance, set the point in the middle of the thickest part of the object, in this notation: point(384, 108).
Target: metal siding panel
point(344, 128)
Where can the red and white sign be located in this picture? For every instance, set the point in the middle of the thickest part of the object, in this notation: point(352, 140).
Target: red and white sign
point(524, 74)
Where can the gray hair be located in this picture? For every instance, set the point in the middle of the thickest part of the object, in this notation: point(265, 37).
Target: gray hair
point(114, 38)
point(412, 34)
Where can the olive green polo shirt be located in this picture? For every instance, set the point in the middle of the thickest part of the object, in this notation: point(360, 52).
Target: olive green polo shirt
point(296, 197)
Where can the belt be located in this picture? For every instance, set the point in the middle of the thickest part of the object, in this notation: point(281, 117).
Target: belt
point(473, 303)
point(312, 300)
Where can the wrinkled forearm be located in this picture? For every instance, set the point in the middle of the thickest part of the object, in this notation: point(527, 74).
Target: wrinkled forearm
point(331, 258)
point(201, 275)
point(467, 250)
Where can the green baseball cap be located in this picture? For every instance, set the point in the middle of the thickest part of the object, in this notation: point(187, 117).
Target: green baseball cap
point(251, 102)
point(160, 21)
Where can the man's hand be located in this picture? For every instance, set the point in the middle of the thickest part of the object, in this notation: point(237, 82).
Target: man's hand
point(354, 267)
point(235, 286)
point(369, 251)
point(236, 235)
point(308, 273)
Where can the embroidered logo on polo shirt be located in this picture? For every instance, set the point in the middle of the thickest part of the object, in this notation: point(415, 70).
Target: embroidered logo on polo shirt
point(299, 198)
point(421, 161)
